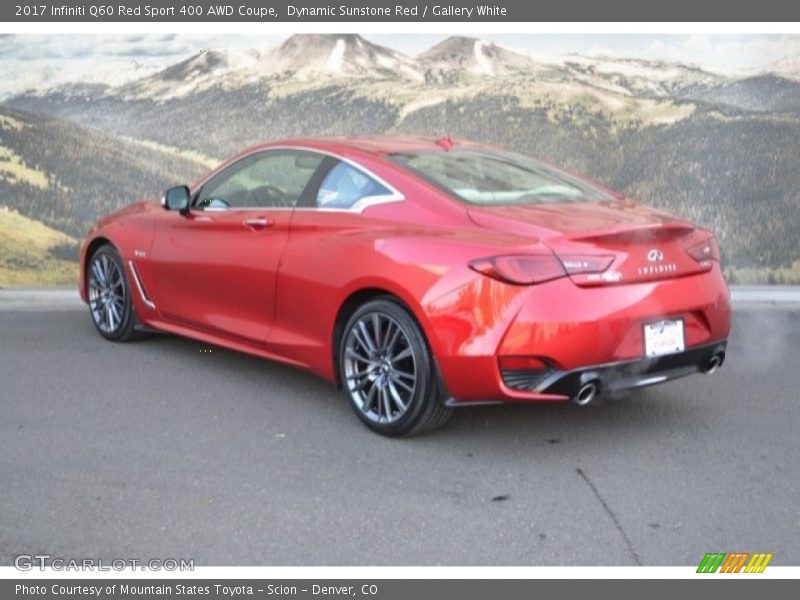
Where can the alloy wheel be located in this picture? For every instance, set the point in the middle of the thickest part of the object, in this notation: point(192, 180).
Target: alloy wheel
point(380, 368)
point(106, 293)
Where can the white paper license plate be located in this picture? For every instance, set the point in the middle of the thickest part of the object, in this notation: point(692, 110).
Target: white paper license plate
point(663, 337)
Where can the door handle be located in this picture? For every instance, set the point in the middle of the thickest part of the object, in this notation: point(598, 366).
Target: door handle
point(259, 222)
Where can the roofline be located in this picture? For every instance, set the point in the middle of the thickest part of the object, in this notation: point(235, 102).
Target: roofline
point(372, 145)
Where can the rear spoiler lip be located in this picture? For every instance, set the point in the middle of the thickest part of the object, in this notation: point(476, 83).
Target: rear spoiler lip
point(668, 229)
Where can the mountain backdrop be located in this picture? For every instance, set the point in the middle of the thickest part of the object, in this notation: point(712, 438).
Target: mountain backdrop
point(722, 151)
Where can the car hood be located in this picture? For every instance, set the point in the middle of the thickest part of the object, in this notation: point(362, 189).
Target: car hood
point(129, 210)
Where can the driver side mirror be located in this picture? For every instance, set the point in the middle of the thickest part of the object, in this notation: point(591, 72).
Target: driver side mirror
point(177, 198)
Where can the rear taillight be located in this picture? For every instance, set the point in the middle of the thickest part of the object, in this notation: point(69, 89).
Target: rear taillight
point(520, 269)
point(705, 250)
point(576, 264)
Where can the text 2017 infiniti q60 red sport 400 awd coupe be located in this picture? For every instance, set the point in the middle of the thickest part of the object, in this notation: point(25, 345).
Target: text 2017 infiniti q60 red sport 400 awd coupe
point(417, 274)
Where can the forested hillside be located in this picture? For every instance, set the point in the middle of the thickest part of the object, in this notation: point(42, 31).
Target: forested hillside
point(721, 151)
point(66, 175)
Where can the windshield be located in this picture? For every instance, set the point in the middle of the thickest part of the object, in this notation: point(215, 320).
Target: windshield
point(496, 177)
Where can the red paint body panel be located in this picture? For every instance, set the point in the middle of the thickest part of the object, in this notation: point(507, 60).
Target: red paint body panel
point(204, 264)
point(277, 291)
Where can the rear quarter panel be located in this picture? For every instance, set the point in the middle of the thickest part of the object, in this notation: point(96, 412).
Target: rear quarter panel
point(400, 249)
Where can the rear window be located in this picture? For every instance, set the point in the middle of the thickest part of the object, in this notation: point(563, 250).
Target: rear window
point(491, 178)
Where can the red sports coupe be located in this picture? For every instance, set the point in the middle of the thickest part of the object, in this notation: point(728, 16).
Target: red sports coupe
point(417, 274)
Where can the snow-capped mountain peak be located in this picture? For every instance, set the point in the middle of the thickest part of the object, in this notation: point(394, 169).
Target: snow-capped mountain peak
point(475, 56)
point(307, 56)
point(200, 71)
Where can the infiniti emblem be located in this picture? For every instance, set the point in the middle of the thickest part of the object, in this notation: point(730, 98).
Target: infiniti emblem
point(655, 255)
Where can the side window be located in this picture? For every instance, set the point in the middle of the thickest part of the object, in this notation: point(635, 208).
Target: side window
point(344, 185)
point(272, 179)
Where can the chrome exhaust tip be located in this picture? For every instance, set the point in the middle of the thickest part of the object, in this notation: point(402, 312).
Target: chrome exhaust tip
point(586, 393)
point(714, 363)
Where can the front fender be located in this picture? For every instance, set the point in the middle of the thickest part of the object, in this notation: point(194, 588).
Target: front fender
point(131, 231)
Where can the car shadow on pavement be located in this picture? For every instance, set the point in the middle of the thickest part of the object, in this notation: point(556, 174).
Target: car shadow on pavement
point(636, 414)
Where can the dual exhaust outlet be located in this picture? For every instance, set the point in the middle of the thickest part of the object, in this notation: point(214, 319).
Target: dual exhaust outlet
point(591, 386)
point(714, 363)
point(586, 393)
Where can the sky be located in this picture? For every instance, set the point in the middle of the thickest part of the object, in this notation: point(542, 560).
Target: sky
point(40, 61)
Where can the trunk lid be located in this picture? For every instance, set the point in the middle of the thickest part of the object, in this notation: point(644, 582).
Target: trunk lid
point(636, 242)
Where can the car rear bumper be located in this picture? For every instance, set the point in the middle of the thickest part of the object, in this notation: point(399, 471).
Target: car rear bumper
point(554, 384)
point(579, 335)
point(624, 375)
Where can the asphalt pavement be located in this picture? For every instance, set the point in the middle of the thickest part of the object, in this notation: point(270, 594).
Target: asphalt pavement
point(167, 448)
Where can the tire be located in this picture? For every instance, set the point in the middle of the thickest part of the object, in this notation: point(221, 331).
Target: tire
point(109, 294)
point(387, 371)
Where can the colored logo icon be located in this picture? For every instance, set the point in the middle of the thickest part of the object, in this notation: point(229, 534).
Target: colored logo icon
point(736, 562)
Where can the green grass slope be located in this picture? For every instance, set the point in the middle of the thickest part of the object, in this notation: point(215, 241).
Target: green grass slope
point(32, 253)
